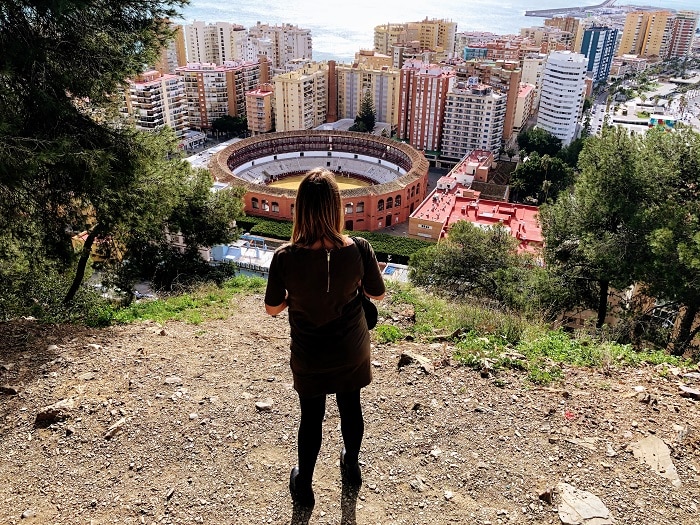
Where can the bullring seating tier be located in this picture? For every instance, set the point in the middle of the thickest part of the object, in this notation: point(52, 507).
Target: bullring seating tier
point(267, 167)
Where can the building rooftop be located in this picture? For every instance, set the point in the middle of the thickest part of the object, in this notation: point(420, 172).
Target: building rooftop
point(455, 200)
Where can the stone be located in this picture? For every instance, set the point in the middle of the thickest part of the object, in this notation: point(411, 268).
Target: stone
point(578, 507)
point(87, 376)
point(29, 513)
point(265, 405)
point(93, 346)
point(59, 411)
point(655, 453)
point(8, 390)
point(692, 393)
point(173, 380)
point(408, 357)
point(449, 495)
point(418, 483)
point(116, 427)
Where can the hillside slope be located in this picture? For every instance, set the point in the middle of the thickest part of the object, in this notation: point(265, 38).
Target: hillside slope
point(159, 425)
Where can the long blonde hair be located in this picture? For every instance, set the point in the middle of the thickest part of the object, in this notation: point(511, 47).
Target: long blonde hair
point(318, 210)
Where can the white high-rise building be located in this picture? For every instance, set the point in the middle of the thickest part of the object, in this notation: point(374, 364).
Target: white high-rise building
point(214, 43)
point(279, 43)
point(563, 93)
point(474, 117)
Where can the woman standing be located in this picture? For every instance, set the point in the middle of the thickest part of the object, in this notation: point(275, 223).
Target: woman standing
point(319, 276)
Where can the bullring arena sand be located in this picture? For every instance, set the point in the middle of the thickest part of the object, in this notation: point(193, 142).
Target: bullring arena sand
point(344, 182)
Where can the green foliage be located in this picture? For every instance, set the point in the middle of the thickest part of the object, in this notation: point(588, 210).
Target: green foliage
point(68, 164)
point(40, 295)
point(387, 333)
point(366, 118)
point(236, 126)
point(538, 141)
point(201, 304)
point(542, 353)
point(470, 261)
point(540, 179)
point(400, 248)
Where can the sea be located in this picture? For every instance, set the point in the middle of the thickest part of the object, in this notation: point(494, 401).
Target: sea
point(340, 29)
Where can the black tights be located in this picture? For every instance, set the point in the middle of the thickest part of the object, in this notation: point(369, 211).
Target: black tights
point(352, 427)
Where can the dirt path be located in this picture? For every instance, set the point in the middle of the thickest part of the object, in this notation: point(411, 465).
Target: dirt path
point(188, 445)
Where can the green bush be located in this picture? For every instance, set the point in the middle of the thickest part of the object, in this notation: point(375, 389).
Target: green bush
point(387, 333)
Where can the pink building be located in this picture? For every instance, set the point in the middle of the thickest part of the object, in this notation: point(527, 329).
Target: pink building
point(423, 93)
point(454, 200)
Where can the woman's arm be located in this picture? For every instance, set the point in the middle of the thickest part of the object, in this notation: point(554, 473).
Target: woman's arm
point(377, 297)
point(274, 310)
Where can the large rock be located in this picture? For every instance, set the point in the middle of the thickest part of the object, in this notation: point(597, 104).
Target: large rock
point(654, 452)
point(579, 507)
point(59, 411)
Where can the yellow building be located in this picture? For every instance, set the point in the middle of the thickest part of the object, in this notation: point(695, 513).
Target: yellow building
point(382, 82)
point(301, 97)
point(437, 35)
point(646, 34)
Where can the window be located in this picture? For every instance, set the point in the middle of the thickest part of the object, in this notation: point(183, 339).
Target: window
point(413, 191)
point(397, 201)
point(360, 208)
point(348, 208)
point(265, 205)
point(389, 203)
point(380, 205)
point(255, 203)
point(275, 207)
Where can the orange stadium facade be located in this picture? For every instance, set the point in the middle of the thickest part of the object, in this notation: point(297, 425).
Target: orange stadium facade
point(387, 179)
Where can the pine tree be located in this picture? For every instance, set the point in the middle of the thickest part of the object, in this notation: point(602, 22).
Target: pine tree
point(366, 118)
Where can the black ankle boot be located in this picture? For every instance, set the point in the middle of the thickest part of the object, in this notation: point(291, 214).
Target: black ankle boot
point(350, 472)
point(301, 492)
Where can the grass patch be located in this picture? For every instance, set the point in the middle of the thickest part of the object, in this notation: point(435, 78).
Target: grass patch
point(387, 333)
point(202, 304)
point(541, 353)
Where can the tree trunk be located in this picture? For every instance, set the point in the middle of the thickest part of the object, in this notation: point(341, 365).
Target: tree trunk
point(82, 264)
point(685, 333)
point(602, 303)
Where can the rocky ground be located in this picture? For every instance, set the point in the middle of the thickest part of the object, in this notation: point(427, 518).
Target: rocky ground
point(190, 423)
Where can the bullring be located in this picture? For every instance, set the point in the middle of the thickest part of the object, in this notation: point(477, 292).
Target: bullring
point(386, 179)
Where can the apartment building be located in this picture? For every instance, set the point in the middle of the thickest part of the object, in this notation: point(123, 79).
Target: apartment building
point(598, 46)
point(570, 24)
point(682, 32)
point(260, 109)
point(213, 91)
point(502, 75)
point(563, 93)
point(301, 98)
point(549, 38)
point(422, 97)
point(174, 54)
point(525, 107)
point(383, 84)
point(280, 43)
point(154, 100)
point(214, 43)
point(474, 116)
point(532, 69)
point(647, 34)
point(435, 35)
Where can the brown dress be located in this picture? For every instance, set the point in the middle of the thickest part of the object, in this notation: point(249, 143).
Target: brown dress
point(330, 346)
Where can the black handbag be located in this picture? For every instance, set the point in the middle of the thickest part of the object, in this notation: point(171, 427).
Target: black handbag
point(371, 313)
point(370, 309)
